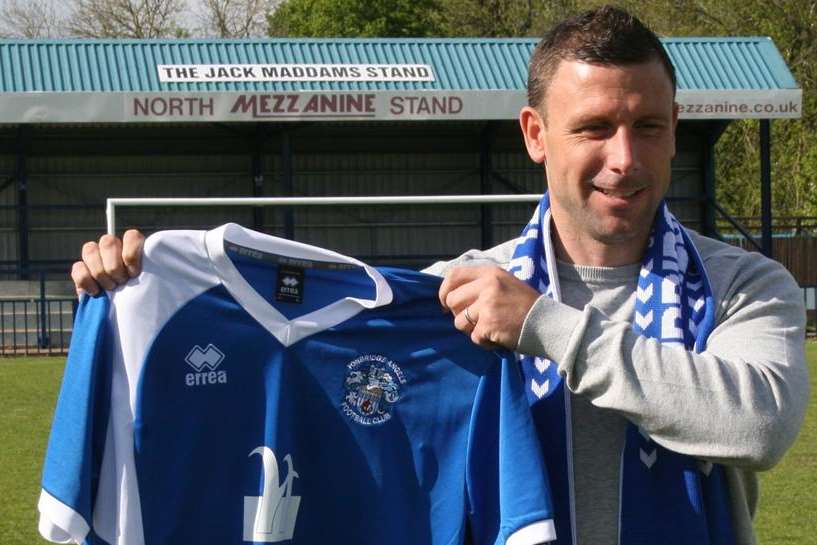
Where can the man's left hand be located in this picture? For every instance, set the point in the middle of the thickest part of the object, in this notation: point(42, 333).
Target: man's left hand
point(496, 303)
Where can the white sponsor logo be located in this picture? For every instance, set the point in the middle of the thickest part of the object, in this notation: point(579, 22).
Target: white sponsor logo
point(271, 517)
point(203, 360)
point(290, 281)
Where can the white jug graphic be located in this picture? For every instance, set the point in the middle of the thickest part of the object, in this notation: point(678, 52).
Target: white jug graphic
point(271, 517)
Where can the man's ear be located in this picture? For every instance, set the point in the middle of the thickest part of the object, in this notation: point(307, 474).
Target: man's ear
point(533, 131)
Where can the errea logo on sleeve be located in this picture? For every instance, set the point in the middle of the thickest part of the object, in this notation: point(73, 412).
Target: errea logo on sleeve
point(205, 362)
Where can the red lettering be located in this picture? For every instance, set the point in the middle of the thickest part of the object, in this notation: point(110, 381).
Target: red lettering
point(243, 104)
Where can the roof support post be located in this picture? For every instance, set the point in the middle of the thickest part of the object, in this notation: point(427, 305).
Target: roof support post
point(21, 178)
point(258, 176)
point(766, 186)
point(485, 184)
point(287, 182)
point(709, 227)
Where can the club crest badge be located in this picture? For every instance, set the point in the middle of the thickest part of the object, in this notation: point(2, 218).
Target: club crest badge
point(372, 387)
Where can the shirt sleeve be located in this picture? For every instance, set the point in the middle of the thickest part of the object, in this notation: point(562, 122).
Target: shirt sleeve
point(77, 441)
point(506, 480)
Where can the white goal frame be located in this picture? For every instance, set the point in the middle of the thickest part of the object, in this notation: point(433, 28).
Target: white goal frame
point(114, 202)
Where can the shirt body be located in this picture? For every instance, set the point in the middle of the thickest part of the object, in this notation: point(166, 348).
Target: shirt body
point(249, 389)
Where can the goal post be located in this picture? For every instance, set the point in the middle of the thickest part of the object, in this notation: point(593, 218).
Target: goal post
point(116, 202)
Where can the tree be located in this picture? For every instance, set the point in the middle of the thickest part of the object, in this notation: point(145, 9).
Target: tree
point(502, 18)
point(792, 24)
point(30, 19)
point(235, 18)
point(355, 18)
point(126, 18)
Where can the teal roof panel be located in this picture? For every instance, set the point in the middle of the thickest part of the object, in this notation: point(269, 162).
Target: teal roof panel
point(130, 65)
point(458, 64)
point(728, 63)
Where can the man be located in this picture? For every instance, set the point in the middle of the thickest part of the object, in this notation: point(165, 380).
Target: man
point(665, 368)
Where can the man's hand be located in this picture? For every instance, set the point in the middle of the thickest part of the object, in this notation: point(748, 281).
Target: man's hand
point(496, 303)
point(109, 263)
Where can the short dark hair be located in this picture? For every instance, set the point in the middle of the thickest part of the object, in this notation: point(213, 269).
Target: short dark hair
point(606, 36)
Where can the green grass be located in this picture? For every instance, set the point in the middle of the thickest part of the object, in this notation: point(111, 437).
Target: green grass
point(788, 493)
point(28, 393)
point(28, 389)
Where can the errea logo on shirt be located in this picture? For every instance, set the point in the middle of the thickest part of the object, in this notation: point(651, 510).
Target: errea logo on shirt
point(205, 362)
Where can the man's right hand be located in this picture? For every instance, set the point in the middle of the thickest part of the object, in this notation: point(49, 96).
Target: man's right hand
point(109, 263)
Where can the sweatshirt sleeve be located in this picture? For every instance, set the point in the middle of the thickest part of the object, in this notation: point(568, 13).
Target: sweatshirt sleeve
point(740, 402)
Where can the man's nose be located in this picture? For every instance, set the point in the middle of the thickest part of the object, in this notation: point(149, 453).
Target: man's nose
point(621, 152)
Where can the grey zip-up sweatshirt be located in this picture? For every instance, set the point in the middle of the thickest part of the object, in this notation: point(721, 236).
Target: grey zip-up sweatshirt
point(739, 403)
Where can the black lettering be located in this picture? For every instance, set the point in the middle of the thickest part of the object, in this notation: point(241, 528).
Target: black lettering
point(206, 105)
point(161, 110)
point(175, 106)
point(140, 106)
point(438, 105)
point(396, 106)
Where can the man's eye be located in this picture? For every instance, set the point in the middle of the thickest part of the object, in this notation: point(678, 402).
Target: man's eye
point(650, 126)
point(594, 128)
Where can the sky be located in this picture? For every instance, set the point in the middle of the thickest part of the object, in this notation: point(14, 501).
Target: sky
point(190, 19)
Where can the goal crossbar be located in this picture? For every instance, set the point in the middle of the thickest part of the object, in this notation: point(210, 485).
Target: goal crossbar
point(114, 202)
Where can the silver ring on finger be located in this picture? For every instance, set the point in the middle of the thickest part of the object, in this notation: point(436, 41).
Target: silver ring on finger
point(468, 317)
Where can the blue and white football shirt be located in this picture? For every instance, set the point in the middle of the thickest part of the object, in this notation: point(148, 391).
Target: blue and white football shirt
point(249, 389)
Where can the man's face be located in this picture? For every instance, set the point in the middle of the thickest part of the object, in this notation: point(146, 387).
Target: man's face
point(607, 143)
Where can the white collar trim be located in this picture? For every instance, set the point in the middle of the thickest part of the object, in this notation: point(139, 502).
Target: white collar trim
point(287, 331)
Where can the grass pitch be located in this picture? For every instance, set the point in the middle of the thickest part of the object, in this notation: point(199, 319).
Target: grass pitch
point(28, 393)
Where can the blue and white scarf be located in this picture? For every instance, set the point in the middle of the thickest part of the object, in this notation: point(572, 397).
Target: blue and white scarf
point(665, 498)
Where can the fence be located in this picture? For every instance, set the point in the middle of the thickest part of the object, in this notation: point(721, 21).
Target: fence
point(32, 327)
point(36, 324)
point(797, 254)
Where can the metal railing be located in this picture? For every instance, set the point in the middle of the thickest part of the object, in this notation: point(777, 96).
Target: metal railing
point(35, 326)
point(36, 323)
